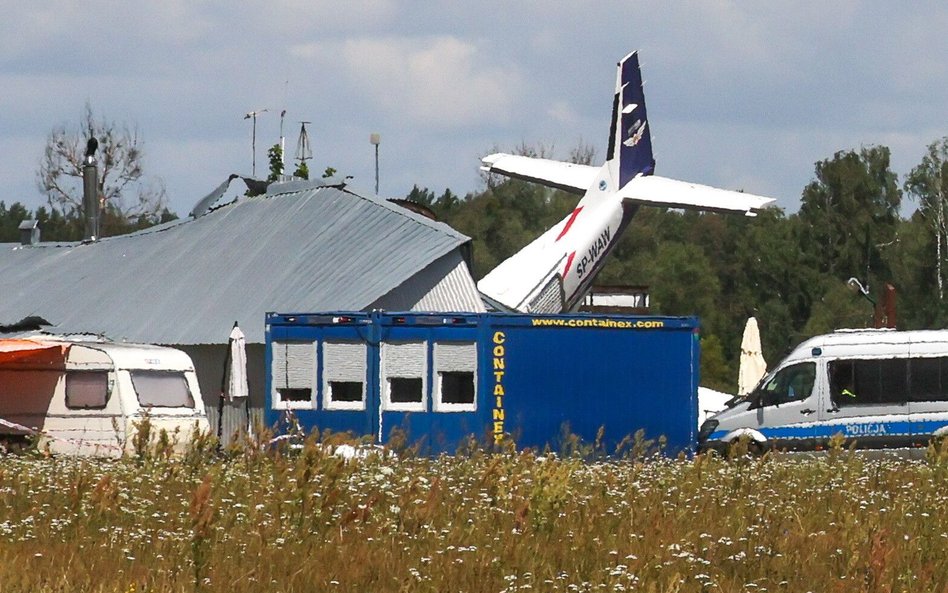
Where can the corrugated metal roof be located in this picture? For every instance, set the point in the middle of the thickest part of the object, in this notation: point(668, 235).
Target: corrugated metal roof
point(445, 285)
point(186, 282)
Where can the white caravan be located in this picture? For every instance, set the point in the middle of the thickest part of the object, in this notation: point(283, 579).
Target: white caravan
point(85, 397)
point(553, 273)
point(875, 388)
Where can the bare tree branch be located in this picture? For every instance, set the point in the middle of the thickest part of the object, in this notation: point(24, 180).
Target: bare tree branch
point(123, 187)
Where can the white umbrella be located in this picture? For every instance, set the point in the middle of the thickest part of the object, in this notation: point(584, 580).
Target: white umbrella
point(234, 380)
point(753, 366)
point(237, 381)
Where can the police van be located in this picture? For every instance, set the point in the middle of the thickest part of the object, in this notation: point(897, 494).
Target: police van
point(877, 389)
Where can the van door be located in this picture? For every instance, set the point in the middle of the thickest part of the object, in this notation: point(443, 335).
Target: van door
point(867, 403)
point(786, 407)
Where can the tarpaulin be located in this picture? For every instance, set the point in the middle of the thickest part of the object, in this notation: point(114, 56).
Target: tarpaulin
point(19, 351)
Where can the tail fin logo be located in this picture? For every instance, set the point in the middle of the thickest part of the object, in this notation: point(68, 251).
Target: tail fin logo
point(635, 132)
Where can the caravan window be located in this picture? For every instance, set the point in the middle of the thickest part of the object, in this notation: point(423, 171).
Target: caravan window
point(870, 381)
point(162, 389)
point(87, 389)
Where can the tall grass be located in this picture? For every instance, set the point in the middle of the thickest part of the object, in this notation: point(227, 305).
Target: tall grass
point(307, 520)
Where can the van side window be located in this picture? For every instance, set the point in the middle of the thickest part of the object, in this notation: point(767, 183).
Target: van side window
point(163, 389)
point(928, 378)
point(87, 389)
point(869, 381)
point(794, 383)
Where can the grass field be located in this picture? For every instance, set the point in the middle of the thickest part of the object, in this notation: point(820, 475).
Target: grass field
point(310, 521)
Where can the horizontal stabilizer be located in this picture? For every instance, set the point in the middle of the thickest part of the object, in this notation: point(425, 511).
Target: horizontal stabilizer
point(565, 176)
point(652, 190)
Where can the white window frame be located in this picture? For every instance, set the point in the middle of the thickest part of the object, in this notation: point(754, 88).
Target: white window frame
point(76, 374)
point(387, 353)
point(278, 403)
point(141, 382)
point(328, 402)
point(446, 363)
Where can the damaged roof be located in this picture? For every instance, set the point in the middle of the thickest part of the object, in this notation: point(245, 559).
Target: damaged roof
point(301, 247)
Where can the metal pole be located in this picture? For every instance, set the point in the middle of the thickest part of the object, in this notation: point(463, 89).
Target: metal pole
point(253, 146)
point(376, 139)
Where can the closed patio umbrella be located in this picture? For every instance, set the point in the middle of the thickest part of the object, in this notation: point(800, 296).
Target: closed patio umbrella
point(752, 366)
point(234, 380)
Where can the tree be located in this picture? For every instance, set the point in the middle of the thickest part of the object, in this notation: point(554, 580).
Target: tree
point(302, 171)
point(850, 211)
point(275, 156)
point(124, 191)
point(928, 182)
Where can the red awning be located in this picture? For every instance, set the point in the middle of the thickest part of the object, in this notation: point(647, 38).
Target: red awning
point(31, 351)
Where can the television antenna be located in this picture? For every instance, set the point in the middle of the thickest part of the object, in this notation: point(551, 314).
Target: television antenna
point(304, 150)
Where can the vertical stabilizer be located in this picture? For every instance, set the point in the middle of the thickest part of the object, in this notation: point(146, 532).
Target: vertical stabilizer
point(630, 142)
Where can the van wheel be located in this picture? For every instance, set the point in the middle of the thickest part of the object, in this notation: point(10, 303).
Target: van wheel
point(756, 449)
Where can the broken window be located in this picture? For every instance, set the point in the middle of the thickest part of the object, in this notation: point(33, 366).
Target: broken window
point(344, 370)
point(455, 376)
point(403, 376)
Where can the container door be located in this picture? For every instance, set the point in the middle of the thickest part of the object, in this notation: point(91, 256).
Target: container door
point(403, 386)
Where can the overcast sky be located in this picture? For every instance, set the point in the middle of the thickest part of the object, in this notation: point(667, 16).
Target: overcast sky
point(741, 95)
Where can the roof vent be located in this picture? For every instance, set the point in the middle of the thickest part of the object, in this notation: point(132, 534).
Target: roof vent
point(29, 232)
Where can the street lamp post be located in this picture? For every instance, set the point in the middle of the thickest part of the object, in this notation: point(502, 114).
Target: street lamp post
point(857, 286)
point(376, 139)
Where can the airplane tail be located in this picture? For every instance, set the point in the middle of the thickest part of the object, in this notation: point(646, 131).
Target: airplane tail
point(553, 273)
point(630, 141)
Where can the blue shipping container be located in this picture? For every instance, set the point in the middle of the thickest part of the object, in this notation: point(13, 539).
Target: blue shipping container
point(443, 377)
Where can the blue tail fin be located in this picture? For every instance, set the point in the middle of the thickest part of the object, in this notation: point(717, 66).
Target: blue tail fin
point(630, 140)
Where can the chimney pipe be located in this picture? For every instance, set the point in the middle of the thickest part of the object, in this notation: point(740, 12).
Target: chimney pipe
point(29, 232)
point(90, 197)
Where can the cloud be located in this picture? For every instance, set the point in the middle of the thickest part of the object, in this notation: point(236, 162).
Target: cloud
point(563, 112)
point(431, 81)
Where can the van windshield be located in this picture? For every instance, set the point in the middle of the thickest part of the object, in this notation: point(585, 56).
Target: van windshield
point(792, 383)
point(163, 389)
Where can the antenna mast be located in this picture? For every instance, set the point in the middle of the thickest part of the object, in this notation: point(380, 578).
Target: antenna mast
point(304, 151)
point(253, 141)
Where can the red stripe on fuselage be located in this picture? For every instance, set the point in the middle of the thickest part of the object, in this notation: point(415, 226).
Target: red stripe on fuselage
point(569, 223)
point(569, 262)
